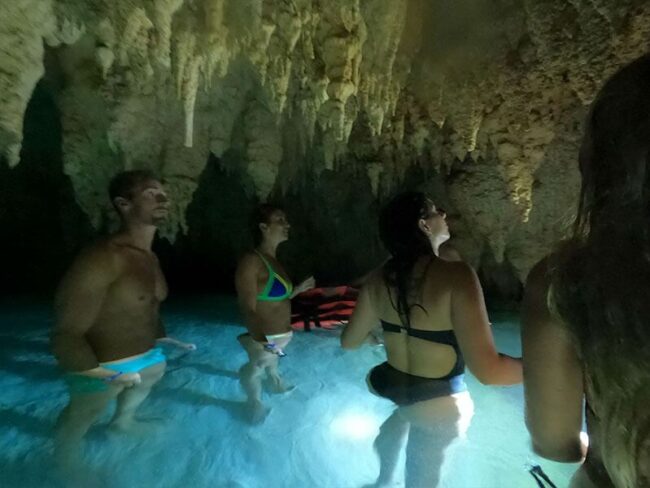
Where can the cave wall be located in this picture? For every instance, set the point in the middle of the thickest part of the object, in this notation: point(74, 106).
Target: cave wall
point(333, 232)
point(325, 106)
point(42, 225)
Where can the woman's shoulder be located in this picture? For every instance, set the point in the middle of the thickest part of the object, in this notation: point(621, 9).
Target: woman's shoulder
point(453, 276)
point(250, 259)
point(453, 269)
point(374, 280)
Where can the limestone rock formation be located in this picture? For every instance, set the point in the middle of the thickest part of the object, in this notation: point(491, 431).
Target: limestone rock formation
point(487, 95)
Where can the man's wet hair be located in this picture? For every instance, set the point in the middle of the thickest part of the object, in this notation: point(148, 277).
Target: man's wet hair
point(124, 184)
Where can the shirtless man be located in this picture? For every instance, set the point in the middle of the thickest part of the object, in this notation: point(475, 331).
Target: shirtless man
point(107, 316)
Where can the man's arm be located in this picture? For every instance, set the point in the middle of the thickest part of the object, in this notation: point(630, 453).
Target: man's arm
point(162, 338)
point(78, 303)
point(553, 380)
point(246, 285)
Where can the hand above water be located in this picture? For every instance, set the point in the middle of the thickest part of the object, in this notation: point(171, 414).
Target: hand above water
point(124, 379)
point(305, 285)
point(175, 342)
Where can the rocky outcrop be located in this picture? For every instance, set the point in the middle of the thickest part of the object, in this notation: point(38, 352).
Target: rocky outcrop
point(487, 95)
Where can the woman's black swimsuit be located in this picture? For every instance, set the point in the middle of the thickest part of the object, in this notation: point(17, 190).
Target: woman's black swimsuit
point(406, 389)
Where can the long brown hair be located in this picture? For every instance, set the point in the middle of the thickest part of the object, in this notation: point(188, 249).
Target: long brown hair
point(601, 285)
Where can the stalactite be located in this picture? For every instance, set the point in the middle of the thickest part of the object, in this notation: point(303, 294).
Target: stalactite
point(190, 87)
point(340, 39)
point(162, 15)
point(385, 29)
point(215, 33)
point(471, 88)
point(187, 63)
point(22, 30)
point(263, 150)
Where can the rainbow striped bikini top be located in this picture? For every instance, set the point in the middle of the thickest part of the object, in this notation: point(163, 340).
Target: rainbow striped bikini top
point(277, 288)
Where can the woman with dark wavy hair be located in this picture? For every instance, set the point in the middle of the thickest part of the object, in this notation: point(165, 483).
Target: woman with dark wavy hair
point(434, 320)
point(586, 317)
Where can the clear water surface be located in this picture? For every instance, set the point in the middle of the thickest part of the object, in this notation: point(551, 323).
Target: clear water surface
point(318, 435)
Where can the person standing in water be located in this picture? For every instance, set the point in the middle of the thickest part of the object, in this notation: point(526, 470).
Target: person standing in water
point(585, 334)
point(107, 316)
point(434, 320)
point(264, 293)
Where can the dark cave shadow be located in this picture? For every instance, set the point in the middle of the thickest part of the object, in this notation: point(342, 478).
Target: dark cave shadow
point(10, 344)
point(205, 310)
point(38, 371)
point(32, 370)
point(34, 426)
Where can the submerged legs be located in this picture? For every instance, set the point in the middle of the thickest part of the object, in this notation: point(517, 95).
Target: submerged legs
point(250, 377)
point(131, 398)
point(425, 453)
point(77, 417)
point(276, 383)
point(435, 424)
point(252, 373)
point(388, 445)
point(431, 427)
point(89, 398)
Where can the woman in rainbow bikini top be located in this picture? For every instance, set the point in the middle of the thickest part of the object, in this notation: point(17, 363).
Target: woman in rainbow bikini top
point(264, 292)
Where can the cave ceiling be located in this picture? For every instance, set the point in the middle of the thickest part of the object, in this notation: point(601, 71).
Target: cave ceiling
point(489, 94)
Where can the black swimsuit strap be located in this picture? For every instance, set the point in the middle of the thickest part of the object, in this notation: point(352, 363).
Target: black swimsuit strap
point(445, 337)
point(541, 477)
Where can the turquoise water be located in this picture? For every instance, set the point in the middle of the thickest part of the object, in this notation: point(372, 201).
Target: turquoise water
point(319, 435)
